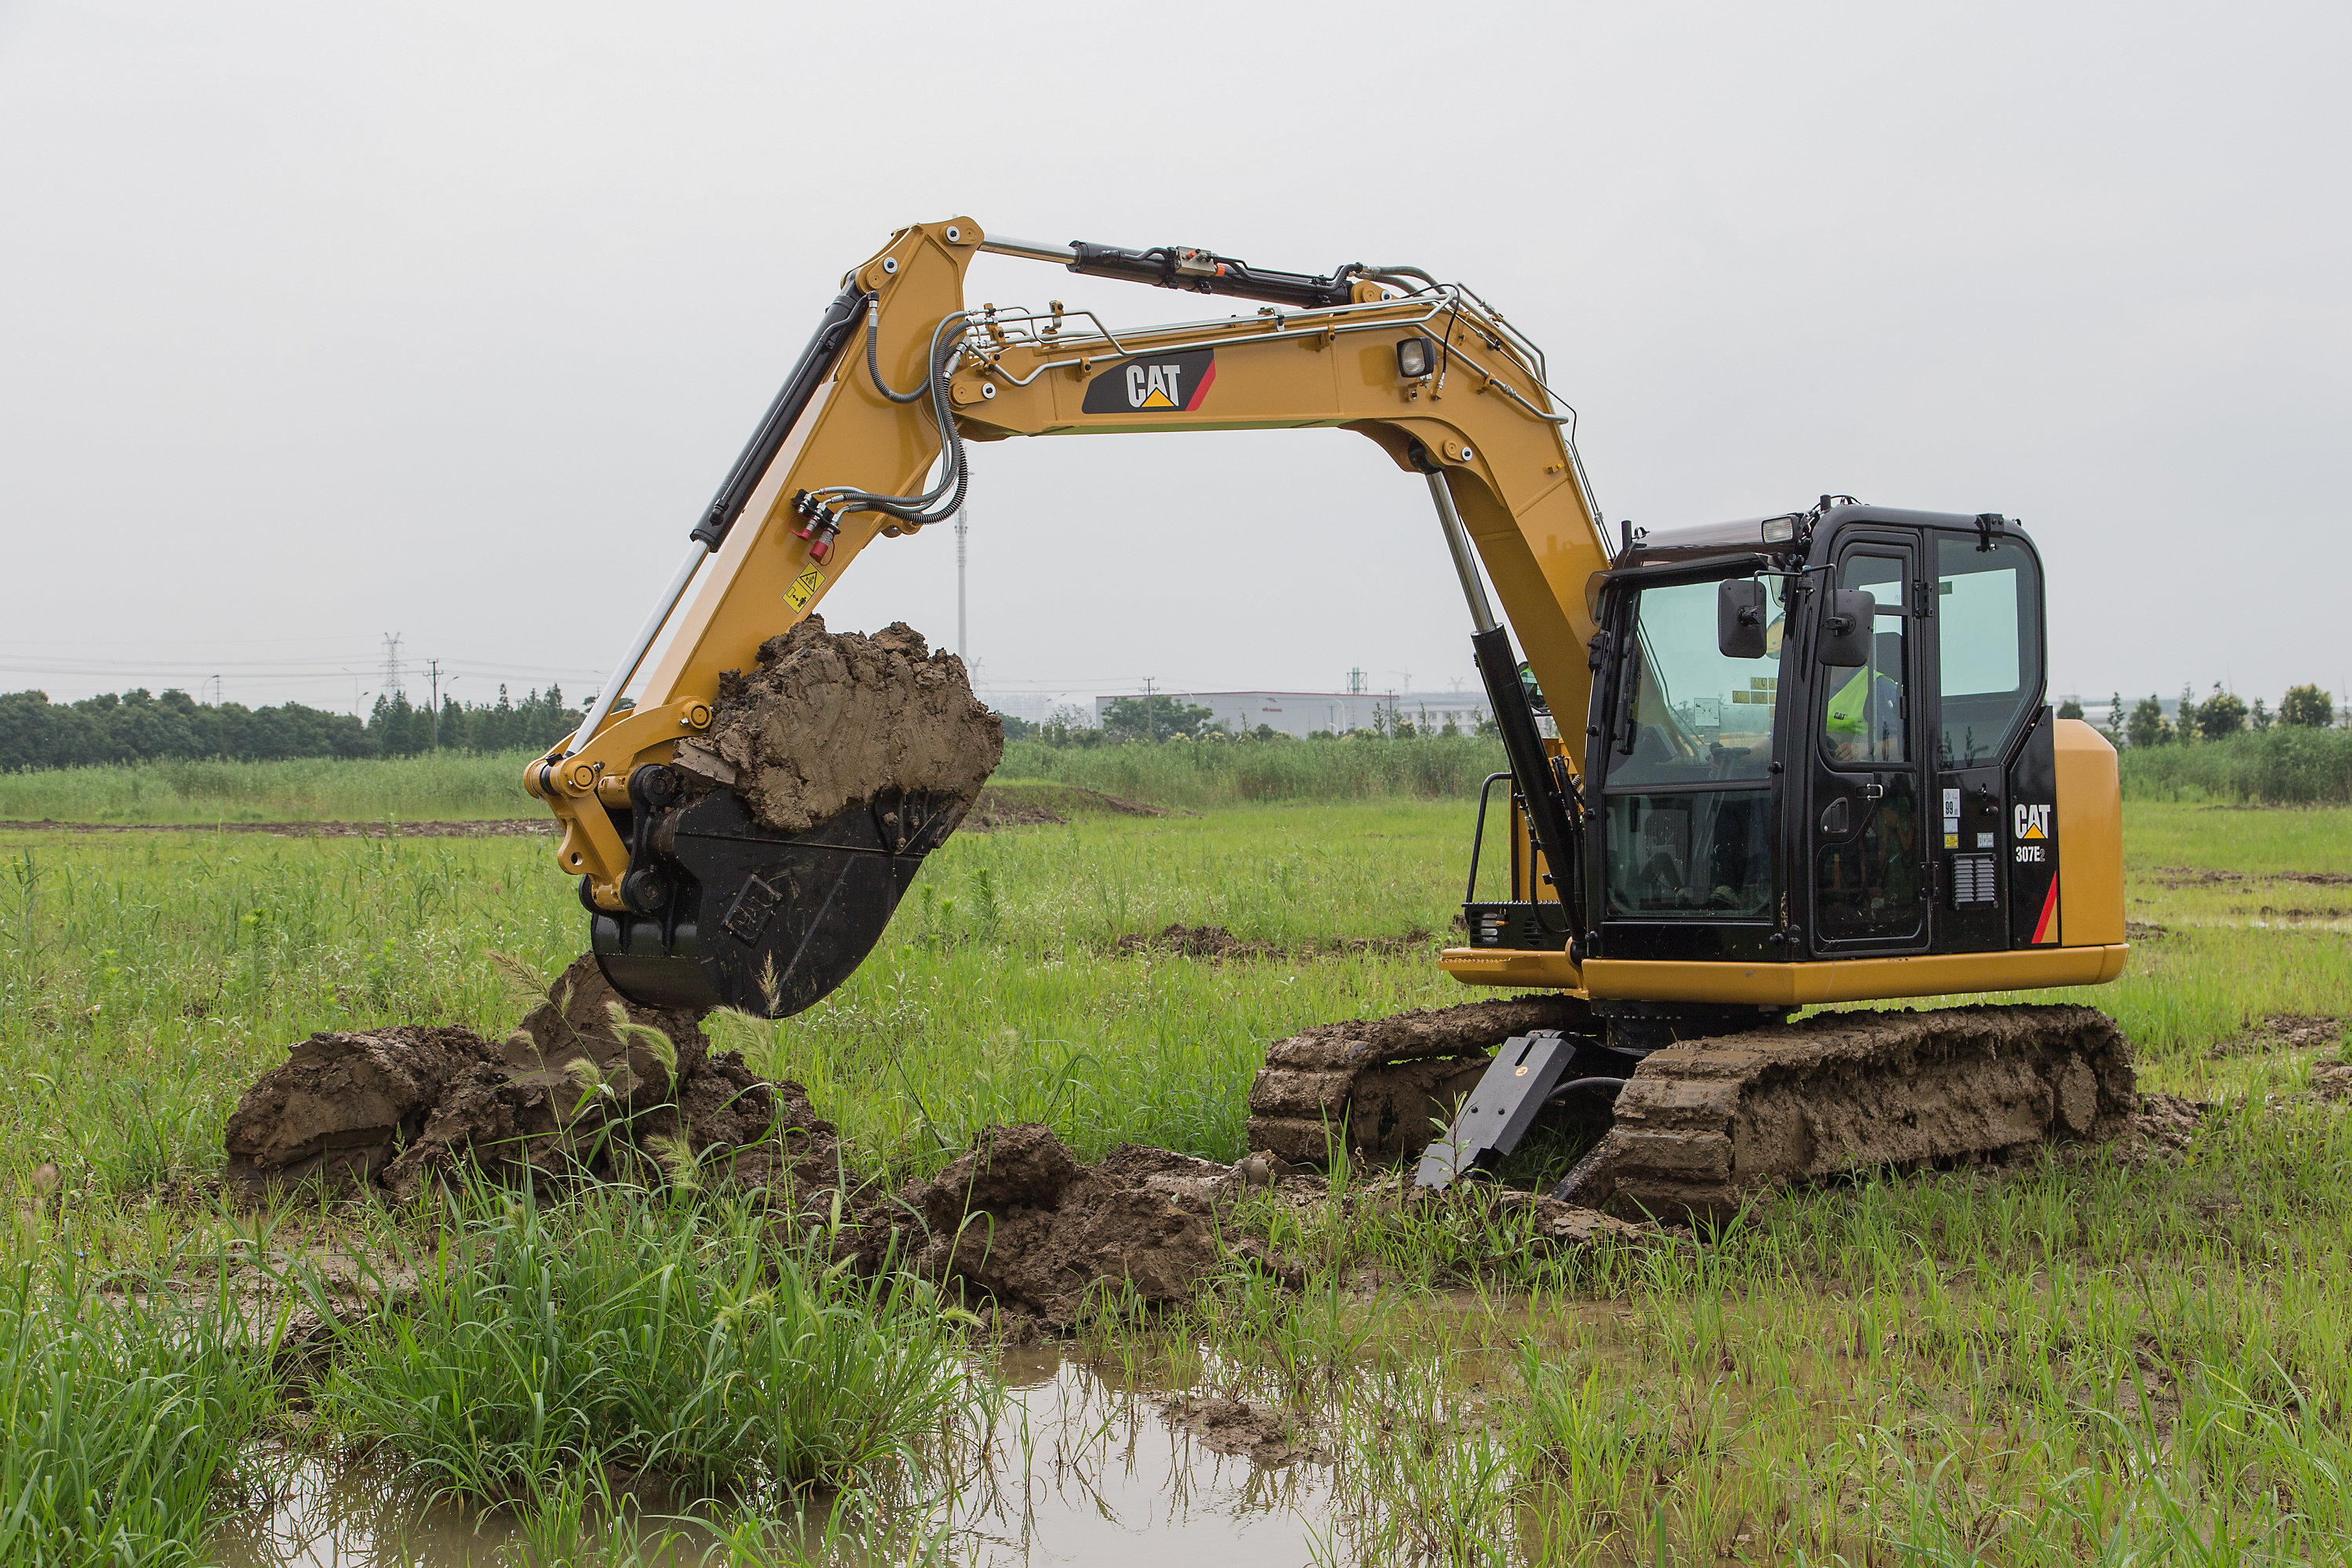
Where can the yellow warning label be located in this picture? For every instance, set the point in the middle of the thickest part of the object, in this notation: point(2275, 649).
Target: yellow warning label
point(804, 587)
point(1951, 841)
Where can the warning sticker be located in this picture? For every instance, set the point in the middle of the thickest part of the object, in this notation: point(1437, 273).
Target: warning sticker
point(1951, 841)
point(804, 587)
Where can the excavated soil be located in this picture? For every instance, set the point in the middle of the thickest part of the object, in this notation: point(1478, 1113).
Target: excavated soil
point(827, 720)
point(589, 1085)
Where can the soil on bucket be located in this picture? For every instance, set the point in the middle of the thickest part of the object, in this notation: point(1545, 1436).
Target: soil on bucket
point(826, 721)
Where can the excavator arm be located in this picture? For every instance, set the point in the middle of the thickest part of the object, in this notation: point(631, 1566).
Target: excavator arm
point(902, 373)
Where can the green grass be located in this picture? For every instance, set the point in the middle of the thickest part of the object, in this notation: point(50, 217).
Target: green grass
point(448, 786)
point(1220, 772)
point(628, 1333)
point(122, 1406)
point(2283, 765)
point(2073, 1361)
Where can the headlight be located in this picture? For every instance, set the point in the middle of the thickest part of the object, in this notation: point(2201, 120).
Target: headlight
point(1414, 356)
point(1780, 530)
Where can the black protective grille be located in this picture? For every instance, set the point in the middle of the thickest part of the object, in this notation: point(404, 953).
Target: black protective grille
point(1974, 881)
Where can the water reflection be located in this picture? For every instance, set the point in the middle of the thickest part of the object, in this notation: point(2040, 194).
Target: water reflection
point(1079, 1466)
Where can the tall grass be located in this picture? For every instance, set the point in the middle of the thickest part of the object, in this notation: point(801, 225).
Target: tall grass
point(2283, 765)
point(625, 1332)
point(120, 1412)
point(439, 786)
point(1211, 773)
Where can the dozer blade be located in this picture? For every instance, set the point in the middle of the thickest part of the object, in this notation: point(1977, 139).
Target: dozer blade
point(766, 921)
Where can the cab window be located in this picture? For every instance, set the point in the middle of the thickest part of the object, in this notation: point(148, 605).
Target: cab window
point(1684, 713)
point(1988, 645)
point(1867, 718)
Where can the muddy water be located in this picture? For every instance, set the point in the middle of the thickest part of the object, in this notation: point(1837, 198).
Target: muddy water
point(1081, 1470)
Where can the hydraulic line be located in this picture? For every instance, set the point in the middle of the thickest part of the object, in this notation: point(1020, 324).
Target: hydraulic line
point(839, 500)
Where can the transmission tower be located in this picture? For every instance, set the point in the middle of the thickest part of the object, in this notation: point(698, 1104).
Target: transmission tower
point(395, 678)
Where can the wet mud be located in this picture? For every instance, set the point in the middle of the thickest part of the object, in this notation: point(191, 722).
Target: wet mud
point(589, 1086)
point(2284, 1032)
point(825, 721)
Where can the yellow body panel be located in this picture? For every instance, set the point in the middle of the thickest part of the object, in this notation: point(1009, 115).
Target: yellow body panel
point(1790, 984)
point(2090, 837)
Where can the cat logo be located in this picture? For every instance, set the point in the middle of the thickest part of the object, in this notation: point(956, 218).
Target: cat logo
point(1173, 382)
point(2033, 822)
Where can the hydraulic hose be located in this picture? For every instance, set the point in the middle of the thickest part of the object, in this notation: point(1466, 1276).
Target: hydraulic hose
point(918, 510)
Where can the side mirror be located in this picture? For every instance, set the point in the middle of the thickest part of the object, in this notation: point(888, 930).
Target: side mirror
point(1740, 618)
point(1846, 629)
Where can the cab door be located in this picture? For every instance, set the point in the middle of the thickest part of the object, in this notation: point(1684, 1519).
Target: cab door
point(1868, 864)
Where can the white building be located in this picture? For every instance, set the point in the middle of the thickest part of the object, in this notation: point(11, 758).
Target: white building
point(1301, 713)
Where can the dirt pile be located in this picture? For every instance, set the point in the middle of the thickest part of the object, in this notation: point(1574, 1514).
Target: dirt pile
point(1016, 1218)
point(588, 1085)
point(827, 720)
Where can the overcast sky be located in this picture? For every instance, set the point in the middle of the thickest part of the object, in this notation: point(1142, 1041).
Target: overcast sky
point(322, 322)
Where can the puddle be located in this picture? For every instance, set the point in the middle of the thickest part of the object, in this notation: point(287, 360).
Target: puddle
point(1081, 1470)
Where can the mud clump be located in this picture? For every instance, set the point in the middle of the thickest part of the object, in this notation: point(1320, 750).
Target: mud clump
point(828, 720)
point(2284, 1032)
point(1269, 1436)
point(1018, 1220)
point(589, 1086)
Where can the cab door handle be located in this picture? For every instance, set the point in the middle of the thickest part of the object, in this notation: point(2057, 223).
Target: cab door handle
point(1873, 790)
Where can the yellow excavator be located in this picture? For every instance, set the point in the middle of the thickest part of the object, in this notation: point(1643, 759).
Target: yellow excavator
point(1753, 766)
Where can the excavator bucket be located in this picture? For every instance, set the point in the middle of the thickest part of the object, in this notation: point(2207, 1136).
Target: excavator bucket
point(765, 922)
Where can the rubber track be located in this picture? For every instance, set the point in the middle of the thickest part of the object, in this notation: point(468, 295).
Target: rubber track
point(1704, 1124)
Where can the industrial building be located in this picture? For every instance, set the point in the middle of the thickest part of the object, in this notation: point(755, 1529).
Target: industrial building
point(1301, 713)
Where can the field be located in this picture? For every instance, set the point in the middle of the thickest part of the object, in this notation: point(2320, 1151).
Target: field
point(2081, 1360)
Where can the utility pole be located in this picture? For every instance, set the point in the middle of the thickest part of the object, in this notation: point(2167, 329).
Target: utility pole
point(961, 651)
point(433, 665)
point(1150, 725)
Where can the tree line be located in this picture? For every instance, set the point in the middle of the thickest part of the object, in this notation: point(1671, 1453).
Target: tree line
point(1127, 719)
point(2219, 717)
point(137, 726)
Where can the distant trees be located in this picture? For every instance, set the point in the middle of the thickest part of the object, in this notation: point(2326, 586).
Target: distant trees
point(2221, 715)
point(2306, 706)
point(2070, 709)
point(139, 727)
point(1154, 718)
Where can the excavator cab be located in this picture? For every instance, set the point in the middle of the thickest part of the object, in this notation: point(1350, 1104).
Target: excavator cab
point(1816, 738)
